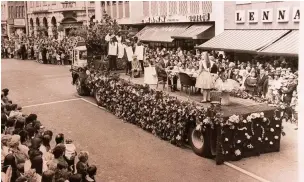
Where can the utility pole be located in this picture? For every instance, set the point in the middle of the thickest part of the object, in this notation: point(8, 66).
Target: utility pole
point(26, 18)
point(87, 12)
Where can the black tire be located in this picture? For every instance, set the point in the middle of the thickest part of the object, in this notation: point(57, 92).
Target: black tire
point(192, 138)
point(81, 90)
point(200, 148)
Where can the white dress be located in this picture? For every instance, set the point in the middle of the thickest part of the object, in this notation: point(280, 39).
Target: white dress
point(226, 85)
point(204, 79)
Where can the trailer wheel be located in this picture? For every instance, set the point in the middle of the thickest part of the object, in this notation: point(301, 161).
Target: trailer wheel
point(196, 141)
point(81, 90)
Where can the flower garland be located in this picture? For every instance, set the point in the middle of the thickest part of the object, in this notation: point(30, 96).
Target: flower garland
point(251, 135)
point(154, 111)
point(168, 118)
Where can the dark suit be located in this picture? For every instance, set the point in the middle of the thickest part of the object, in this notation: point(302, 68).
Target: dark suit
point(261, 85)
point(23, 51)
point(214, 69)
point(288, 93)
point(44, 55)
point(230, 74)
point(160, 69)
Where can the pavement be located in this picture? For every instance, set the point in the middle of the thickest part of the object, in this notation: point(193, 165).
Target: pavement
point(124, 152)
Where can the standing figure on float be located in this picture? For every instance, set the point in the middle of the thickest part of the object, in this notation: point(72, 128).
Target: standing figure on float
point(205, 80)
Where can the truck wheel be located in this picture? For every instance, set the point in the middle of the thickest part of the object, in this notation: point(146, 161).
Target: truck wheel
point(97, 97)
point(81, 90)
point(196, 141)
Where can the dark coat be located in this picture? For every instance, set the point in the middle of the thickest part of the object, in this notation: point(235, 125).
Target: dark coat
point(261, 85)
point(250, 84)
point(214, 69)
point(230, 74)
point(288, 93)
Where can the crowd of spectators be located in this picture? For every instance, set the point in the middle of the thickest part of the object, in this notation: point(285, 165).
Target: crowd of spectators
point(27, 152)
point(43, 49)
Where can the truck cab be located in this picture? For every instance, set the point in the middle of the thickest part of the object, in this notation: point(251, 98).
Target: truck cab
point(79, 57)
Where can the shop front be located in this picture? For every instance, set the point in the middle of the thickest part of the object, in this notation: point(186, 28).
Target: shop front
point(177, 31)
point(264, 29)
point(19, 27)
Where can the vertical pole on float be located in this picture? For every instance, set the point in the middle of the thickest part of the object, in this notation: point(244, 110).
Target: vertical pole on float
point(87, 13)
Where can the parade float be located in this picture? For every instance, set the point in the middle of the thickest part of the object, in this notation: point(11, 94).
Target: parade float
point(223, 133)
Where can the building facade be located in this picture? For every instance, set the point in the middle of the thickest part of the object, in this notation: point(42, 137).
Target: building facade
point(169, 18)
point(16, 24)
point(50, 16)
point(268, 28)
point(262, 15)
point(4, 16)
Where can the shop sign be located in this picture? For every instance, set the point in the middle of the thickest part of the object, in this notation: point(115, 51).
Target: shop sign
point(173, 19)
point(200, 18)
point(19, 22)
point(253, 16)
point(282, 15)
point(156, 19)
point(240, 16)
point(296, 14)
point(267, 15)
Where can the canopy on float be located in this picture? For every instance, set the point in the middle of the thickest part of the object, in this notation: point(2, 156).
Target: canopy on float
point(160, 33)
point(286, 46)
point(243, 40)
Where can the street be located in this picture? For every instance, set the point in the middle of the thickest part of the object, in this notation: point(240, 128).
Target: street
point(124, 152)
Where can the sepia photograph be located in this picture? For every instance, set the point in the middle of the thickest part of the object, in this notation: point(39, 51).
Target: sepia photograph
point(151, 91)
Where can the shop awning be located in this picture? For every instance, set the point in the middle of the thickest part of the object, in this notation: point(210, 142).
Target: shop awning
point(160, 33)
point(287, 45)
point(243, 40)
point(193, 32)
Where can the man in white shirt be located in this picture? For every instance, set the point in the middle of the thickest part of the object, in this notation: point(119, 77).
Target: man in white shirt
point(139, 51)
point(118, 37)
point(128, 56)
point(112, 54)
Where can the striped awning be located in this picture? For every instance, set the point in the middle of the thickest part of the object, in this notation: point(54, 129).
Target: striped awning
point(192, 32)
point(243, 40)
point(287, 45)
point(160, 33)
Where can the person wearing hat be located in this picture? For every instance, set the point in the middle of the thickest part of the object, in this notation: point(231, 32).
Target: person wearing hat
point(289, 89)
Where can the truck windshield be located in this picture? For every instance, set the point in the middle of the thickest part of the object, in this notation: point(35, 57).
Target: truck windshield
point(83, 55)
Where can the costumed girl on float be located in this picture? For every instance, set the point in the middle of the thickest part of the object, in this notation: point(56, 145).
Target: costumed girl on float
point(225, 85)
point(205, 80)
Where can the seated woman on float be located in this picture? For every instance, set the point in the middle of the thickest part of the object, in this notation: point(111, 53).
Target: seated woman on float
point(224, 84)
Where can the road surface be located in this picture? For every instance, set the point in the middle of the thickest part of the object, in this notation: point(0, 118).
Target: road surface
point(124, 152)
